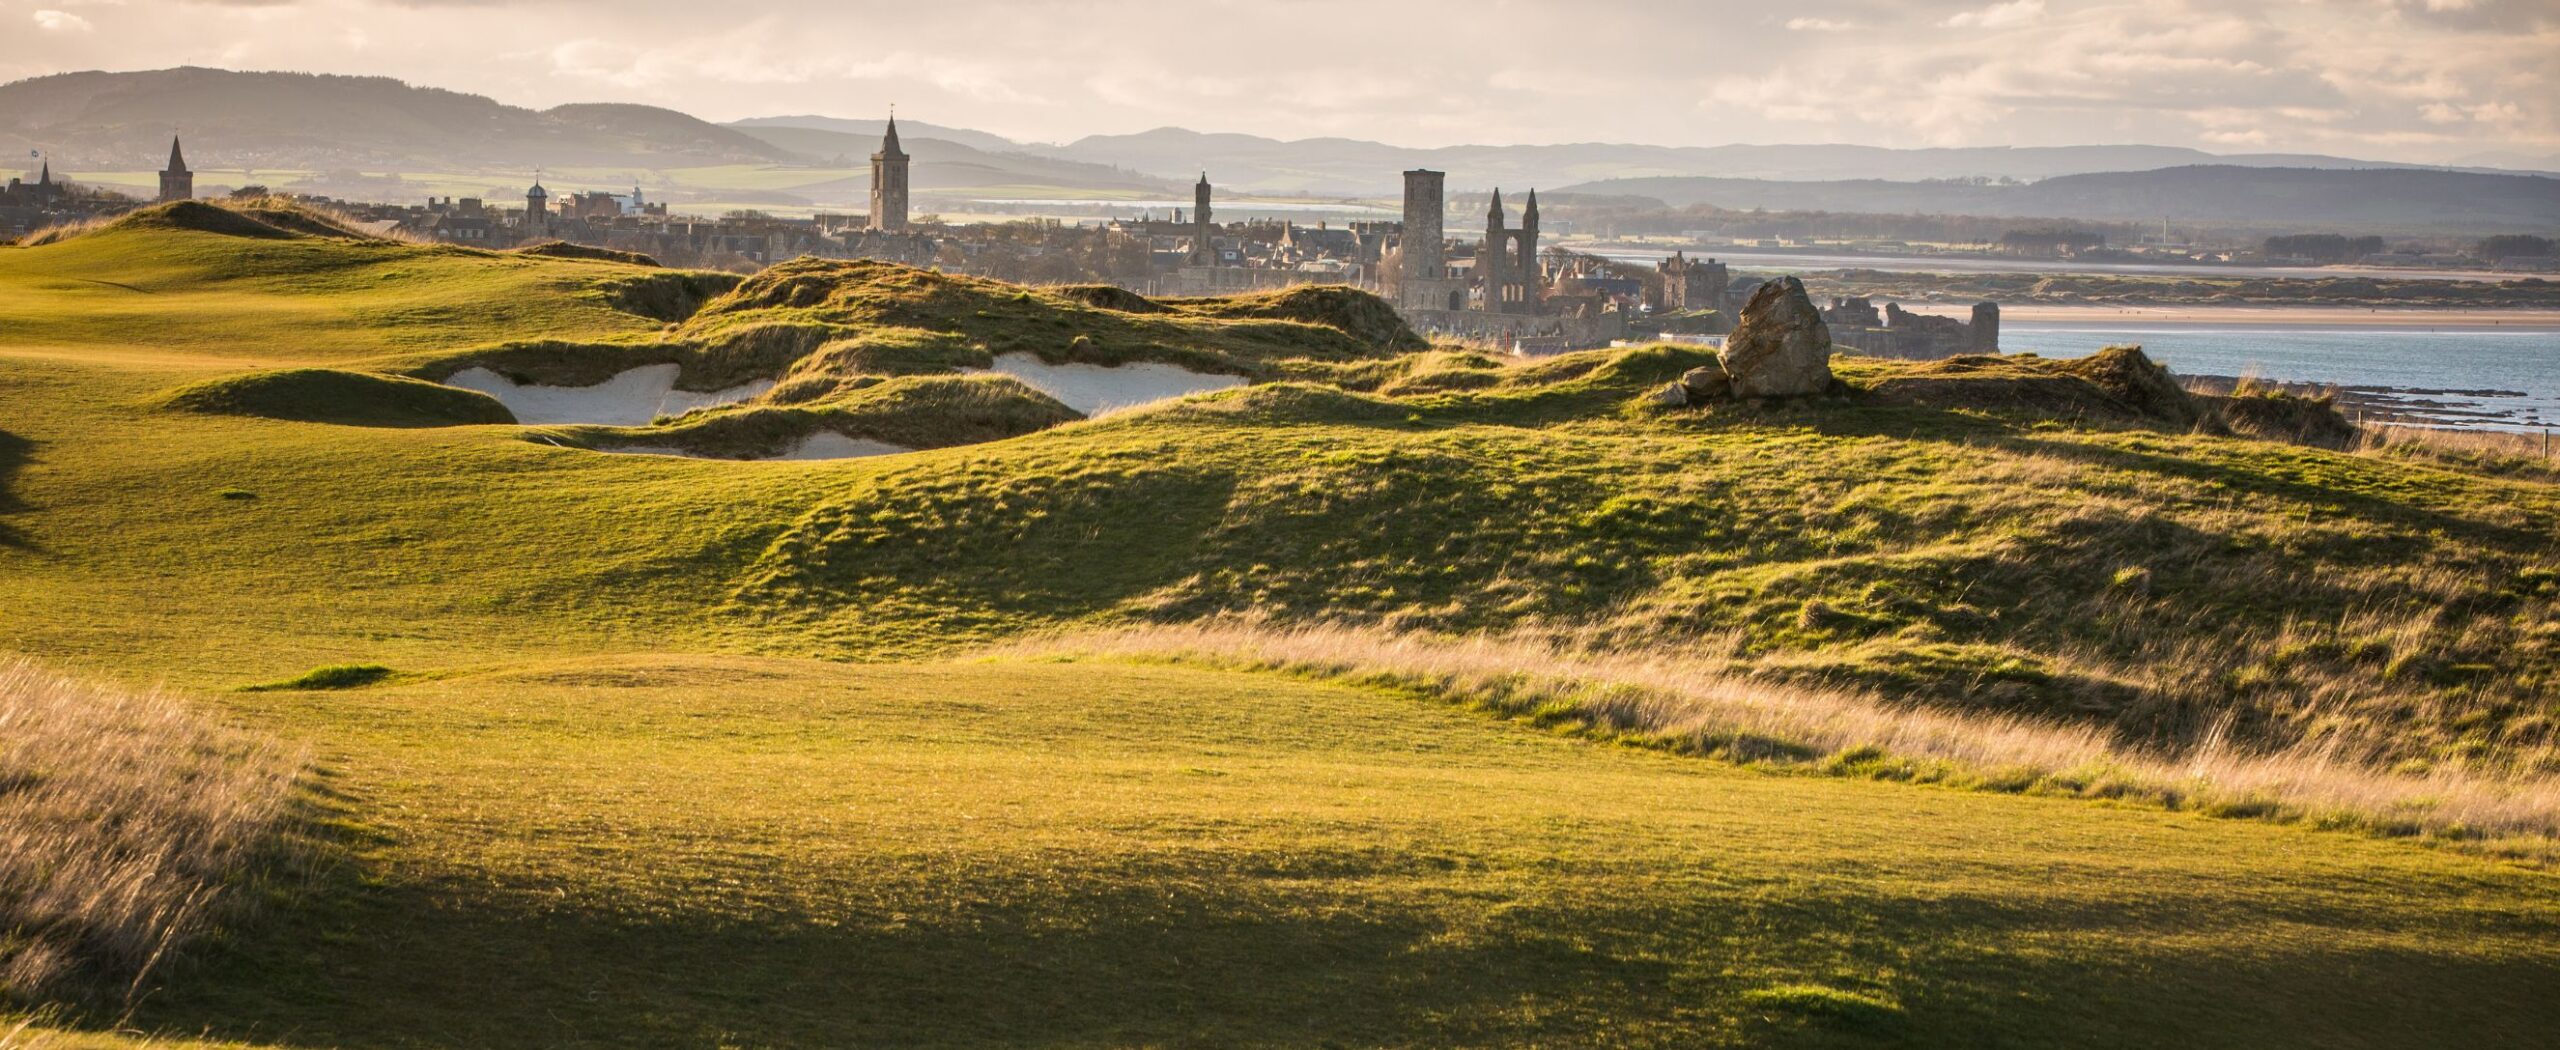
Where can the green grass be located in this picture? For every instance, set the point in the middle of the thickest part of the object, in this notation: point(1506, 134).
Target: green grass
point(333, 676)
point(682, 754)
point(673, 850)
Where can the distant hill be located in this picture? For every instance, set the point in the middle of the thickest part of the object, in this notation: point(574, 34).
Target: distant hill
point(1351, 166)
point(2450, 201)
point(871, 129)
point(122, 121)
point(942, 164)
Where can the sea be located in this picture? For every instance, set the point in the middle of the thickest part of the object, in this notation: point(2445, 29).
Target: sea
point(2501, 377)
point(2504, 378)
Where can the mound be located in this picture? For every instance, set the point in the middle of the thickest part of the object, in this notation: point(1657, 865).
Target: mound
point(263, 219)
point(566, 250)
point(1356, 313)
point(1111, 297)
point(670, 296)
point(2117, 385)
point(325, 395)
point(908, 413)
point(2284, 417)
point(1242, 335)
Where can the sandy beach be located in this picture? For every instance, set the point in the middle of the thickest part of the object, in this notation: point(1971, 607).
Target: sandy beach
point(2297, 316)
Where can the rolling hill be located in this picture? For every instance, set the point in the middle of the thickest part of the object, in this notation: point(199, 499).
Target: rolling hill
point(2453, 202)
point(1405, 696)
point(122, 121)
point(1351, 166)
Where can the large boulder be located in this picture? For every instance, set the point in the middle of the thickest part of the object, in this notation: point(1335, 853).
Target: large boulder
point(1781, 348)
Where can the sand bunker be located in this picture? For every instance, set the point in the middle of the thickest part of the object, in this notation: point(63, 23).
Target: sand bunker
point(1095, 389)
point(825, 444)
point(631, 399)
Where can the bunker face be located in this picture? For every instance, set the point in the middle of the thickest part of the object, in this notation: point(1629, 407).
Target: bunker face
point(1095, 389)
point(630, 399)
point(825, 444)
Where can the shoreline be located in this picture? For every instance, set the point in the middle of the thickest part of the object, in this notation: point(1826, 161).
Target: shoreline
point(2520, 319)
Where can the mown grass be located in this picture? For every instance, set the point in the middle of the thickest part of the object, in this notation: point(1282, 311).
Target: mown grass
point(568, 795)
point(640, 849)
point(1680, 702)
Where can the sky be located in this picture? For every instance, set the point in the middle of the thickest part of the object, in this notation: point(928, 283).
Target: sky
point(2433, 81)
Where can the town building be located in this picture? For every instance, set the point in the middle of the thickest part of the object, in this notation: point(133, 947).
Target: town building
point(176, 182)
point(889, 183)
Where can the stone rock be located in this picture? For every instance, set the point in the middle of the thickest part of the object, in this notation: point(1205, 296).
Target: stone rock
point(1781, 348)
point(1708, 383)
point(1672, 395)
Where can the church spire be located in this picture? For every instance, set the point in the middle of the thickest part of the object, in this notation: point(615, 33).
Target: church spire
point(889, 142)
point(177, 158)
point(1496, 210)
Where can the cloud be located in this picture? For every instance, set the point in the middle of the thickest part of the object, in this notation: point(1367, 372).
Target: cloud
point(1998, 16)
point(62, 22)
point(2413, 80)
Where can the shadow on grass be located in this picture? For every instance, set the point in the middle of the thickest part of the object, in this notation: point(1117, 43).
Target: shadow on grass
point(1362, 948)
point(15, 453)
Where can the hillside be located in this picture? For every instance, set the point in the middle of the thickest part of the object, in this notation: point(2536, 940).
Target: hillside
point(944, 165)
point(1351, 166)
point(122, 121)
point(2450, 202)
point(1400, 696)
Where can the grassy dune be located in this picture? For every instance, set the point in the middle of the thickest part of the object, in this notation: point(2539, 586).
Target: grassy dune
point(656, 751)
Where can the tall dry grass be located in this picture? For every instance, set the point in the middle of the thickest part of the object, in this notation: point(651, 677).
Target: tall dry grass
point(124, 818)
point(2533, 455)
point(1688, 703)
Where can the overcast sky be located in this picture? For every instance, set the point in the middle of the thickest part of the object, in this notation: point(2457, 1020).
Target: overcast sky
point(2417, 80)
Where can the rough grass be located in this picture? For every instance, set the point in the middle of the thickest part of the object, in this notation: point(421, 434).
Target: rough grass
point(1692, 705)
point(128, 821)
point(910, 412)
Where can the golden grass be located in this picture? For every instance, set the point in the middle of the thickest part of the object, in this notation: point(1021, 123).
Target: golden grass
point(124, 817)
point(1693, 704)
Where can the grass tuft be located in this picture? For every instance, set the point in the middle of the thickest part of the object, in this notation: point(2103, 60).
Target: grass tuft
point(1824, 1003)
point(126, 821)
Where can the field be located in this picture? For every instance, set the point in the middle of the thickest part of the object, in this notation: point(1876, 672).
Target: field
point(687, 752)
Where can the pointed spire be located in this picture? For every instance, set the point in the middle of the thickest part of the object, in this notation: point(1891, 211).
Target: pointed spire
point(889, 142)
point(45, 177)
point(1532, 209)
point(1204, 176)
point(1496, 211)
point(177, 159)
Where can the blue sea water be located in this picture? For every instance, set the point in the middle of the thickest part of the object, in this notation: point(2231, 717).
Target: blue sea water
point(2494, 378)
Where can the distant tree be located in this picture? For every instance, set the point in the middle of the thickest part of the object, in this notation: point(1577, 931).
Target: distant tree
point(2511, 245)
point(248, 192)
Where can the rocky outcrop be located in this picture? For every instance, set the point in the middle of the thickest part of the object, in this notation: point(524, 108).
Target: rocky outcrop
point(1709, 383)
point(1781, 348)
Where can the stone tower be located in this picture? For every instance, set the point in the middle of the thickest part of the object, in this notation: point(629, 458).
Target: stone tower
point(1526, 273)
point(889, 183)
point(1202, 252)
point(537, 209)
point(1491, 269)
point(1422, 264)
point(176, 182)
point(1983, 335)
